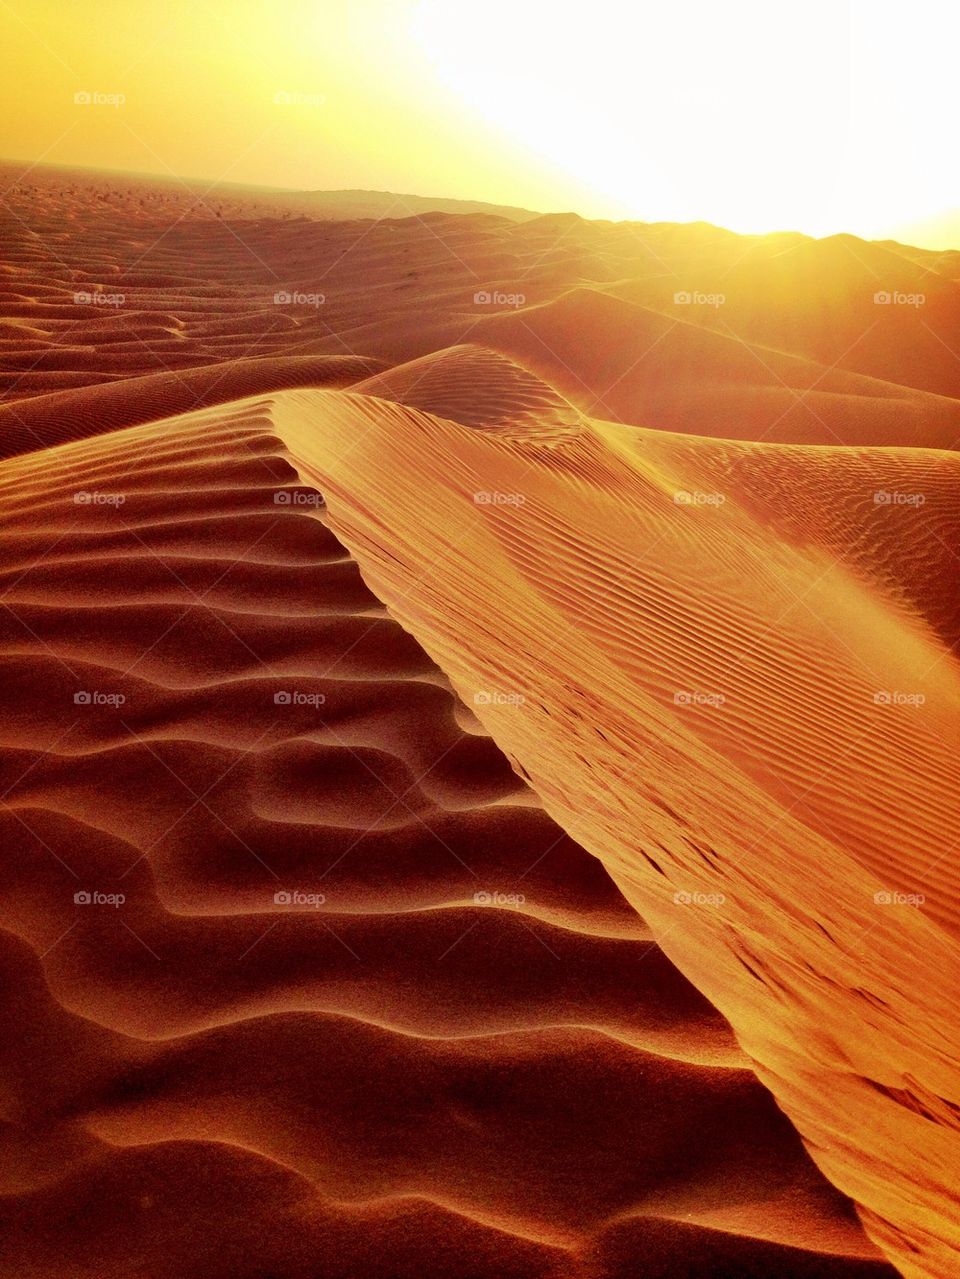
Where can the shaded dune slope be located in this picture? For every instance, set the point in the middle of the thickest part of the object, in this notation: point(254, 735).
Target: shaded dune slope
point(659, 368)
point(363, 996)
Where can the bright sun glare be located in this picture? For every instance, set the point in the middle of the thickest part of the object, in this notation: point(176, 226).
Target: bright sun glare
point(752, 114)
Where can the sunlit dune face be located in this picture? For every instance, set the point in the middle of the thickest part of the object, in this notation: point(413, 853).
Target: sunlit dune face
point(750, 114)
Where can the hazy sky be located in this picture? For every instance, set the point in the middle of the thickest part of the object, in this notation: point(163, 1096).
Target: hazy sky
point(831, 115)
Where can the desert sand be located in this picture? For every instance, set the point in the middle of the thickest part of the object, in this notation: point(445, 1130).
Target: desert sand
point(513, 694)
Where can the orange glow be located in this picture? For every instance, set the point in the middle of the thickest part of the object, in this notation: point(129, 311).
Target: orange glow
point(836, 116)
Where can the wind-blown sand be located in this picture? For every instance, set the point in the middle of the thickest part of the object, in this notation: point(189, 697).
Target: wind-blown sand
point(546, 727)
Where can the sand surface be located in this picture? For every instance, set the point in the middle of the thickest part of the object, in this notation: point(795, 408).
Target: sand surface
point(518, 732)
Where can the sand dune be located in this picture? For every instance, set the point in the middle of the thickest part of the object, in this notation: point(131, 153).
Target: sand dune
point(429, 1039)
point(799, 688)
point(137, 193)
point(652, 368)
point(776, 338)
point(478, 387)
point(518, 711)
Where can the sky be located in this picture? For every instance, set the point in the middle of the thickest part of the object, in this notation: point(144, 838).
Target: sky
point(825, 116)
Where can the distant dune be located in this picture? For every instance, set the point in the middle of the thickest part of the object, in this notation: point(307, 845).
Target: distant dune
point(479, 753)
point(777, 338)
point(144, 191)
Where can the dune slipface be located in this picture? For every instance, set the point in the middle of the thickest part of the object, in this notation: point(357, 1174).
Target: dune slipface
point(308, 980)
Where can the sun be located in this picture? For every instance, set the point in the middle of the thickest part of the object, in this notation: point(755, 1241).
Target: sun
point(750, 114)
